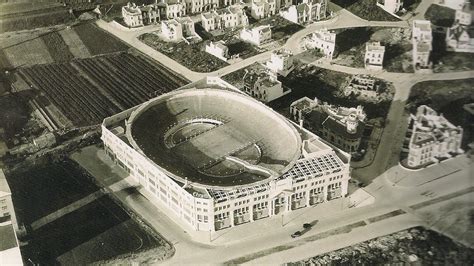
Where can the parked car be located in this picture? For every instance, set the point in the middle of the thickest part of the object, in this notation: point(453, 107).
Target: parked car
point(296, 234)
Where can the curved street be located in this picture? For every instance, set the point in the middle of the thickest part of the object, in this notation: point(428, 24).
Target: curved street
point(254, 243)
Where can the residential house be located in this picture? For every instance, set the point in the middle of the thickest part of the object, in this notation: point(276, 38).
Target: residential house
point(218, 49)
point(211, 21)
point(341, 126)
point(187, 26)
point(323, 40)
point(463, 17)
point(224, 3)
point(263, 86)
point(172, 30)
point(433, 138)
point(170, 9)
point(257, 35)
point(453, 4)
point(262, 8)
point(132, 15)
point(459, 38)
point(318, 9)
point(391, 6)
point(150, 14)
point(422, 43)
point(281, 62)
point(290, 13)
point(283, 4)
point(374, 53)
point(199, 6)
point(229, 17)
point(233, 16)
point(303, 12)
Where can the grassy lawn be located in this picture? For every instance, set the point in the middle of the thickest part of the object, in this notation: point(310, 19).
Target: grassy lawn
point(446, 97)
point(366, 9)
point(430, 248)
point(98, 41)
point(191, 56)
point(440, 15)
point(350, 47)
point(99, 230)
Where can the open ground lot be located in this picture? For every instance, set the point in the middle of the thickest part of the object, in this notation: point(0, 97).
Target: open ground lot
point(191, 56)
point(312, 81)
point(350, 47)
point(445, 61)
point(15, 119)
point(64, 228)
point(194, 57)
point(415, 245)
point(326, 85)
point(446, 97)
point(282, 29)
point(440, 15)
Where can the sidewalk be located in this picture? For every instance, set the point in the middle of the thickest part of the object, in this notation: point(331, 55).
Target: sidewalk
point(267, 237)
point(339, 241)
point(402, 177)
point(94, 160)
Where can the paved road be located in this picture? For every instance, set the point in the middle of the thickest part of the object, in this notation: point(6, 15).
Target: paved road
point(343, 19)
point(253, 238)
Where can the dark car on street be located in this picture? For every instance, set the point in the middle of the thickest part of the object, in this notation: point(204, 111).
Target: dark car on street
point(296, 234)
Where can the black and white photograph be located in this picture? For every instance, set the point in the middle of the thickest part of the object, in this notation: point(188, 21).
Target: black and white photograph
point(236, 132)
